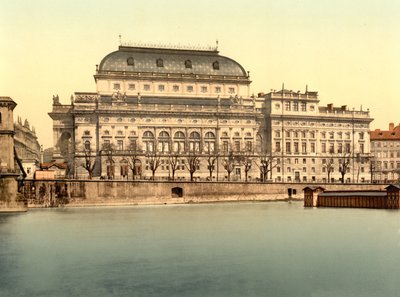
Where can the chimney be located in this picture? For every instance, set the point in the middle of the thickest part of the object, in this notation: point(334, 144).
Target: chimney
point(391, 126)
point(344, 107)
point(330, 106)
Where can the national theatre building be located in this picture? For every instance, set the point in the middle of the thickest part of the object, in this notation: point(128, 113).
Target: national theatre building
point(189, 114)
point(159, 108)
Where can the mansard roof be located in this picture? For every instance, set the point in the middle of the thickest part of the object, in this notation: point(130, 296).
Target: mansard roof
point(174, 61)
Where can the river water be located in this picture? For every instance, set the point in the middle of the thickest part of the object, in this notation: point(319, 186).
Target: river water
point(242, 249)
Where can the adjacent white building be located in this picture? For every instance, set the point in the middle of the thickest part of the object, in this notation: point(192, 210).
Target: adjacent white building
point(309, 142)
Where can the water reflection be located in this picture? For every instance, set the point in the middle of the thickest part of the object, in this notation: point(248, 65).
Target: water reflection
point(247, 249)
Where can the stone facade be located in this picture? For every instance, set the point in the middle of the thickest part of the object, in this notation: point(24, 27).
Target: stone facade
point(306, 140)
point(27, 147)
point(152, 104)
point(385, 149)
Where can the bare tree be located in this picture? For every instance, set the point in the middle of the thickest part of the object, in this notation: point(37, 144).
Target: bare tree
point(266, 164)
point(247, 162)
point(154, 160)
point(108, 150)
point(344, 165)
point(173, 163)
point(192, 164)
point(133, 154)
point(372, 168)
point(329, 167)
point(229, 163)
point(90, 162)
point(211, 160)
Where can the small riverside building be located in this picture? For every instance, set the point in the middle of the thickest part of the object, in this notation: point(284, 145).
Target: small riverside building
point(319, 197)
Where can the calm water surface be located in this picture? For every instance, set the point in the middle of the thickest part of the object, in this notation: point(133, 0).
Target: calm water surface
point(245, 249)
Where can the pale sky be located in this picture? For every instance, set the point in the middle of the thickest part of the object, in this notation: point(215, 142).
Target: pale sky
point(347, 50)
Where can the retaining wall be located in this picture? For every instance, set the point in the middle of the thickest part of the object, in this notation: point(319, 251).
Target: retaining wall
point(94, 192)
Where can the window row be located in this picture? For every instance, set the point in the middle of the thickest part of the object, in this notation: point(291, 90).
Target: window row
point(312, 134)
point(175, 88)
point(302, 147)
point(160, 63)
point(165, 146)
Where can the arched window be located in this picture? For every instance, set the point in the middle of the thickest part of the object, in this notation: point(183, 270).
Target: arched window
point(194, 135)
point(194, 142)
point(180, 135)
point(210, 135)
point(163, 142)
point(163, 134)
point(148, 141)
point(148, 134)
point(209, 142)
point(124, 168)
point(179, 142)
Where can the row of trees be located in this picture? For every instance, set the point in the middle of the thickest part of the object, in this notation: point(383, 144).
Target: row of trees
point(229, 161)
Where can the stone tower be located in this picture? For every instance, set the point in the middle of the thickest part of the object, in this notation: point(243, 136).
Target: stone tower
point(8, 172)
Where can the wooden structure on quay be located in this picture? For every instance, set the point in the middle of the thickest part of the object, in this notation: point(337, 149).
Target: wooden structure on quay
point(319, 197)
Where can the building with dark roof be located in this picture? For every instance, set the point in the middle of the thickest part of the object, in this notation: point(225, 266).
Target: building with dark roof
point(151, 103)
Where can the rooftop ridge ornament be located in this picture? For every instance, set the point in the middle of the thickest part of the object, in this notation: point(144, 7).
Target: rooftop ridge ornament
point(169, 46)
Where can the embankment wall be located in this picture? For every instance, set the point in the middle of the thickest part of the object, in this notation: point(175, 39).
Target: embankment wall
point(42, 193)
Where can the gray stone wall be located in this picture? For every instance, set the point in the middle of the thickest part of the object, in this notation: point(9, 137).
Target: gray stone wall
point(90, 193)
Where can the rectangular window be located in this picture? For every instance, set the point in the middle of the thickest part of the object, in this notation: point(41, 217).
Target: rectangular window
point(204, 89)
point(288, 147)
point(340, 148)
point(231, 90)
point(296, 147)
point(237, 146)
point(225, 146)
point(331, 148)
point(117, 86)
point(161, 88)
point(362, 148)
point(120, 145)
point(304, 147)
point(323, 147)
point(303, 106)
point(249, 146)
point(146, 87)
point(287, 105)
point(277, 134)
point(278, 146)
point(189, 89)
point(131, 87)
point(295, 106)
point(217, 89)
point(347, 148)
point(312, 147)
point(175, 88)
